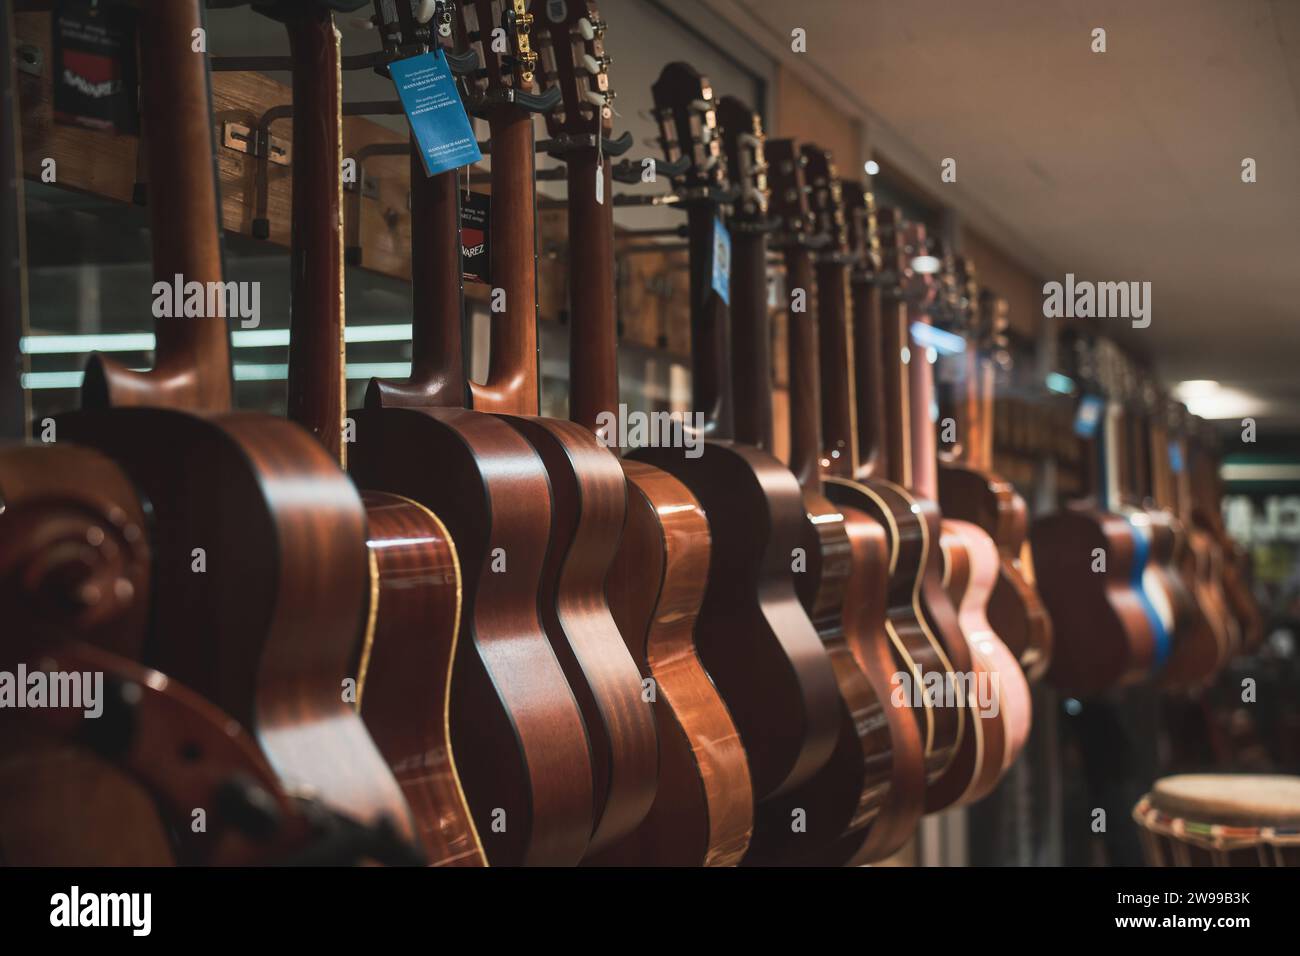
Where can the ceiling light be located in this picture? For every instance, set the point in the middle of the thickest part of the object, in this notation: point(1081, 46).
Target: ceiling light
point(1206, 398)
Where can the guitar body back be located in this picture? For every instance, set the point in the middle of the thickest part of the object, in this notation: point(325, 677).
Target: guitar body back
point(753, 635)
point(516, 730)
point(590, 503)
point(1103, 632)
point(703, 811)
point(404, 678)
point(259, 591)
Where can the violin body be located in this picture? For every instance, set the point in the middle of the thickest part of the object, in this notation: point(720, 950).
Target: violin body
point(589, 494)
point(519, 739)
point(1103, 632)
point(404, 676)
point(703, 811)
point(753, 635)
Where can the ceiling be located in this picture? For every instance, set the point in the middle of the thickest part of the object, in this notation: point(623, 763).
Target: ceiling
point(1123, 165)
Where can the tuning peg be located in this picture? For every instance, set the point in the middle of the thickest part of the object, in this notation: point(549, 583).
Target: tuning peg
point(704, 106)
point(596, 65)
point(424, 10)
point(591, 27)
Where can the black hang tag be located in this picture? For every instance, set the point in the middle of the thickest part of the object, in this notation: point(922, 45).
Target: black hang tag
point(94, 70)
point(475, 242)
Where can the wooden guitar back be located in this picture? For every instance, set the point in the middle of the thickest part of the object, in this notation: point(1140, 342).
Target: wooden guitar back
point(703, 810)
point(261, 612)
point(590, 503)
point(754, 637)
point(1103, 636)
point(518, 735)
point(404, 674)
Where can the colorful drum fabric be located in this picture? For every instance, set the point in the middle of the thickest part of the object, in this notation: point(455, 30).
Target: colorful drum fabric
point(1221, 820)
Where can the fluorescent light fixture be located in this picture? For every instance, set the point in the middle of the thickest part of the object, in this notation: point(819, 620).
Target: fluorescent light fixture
point(1209, 399)
point(926, 265)
point(243, 372)
point(1061, 384)
point(944, 343)
point(240, 339)
point(872, 167)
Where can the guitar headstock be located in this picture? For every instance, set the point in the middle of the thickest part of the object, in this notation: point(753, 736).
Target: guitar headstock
point(476, 29)
point(790, 205)
point(946, 308)
point(570, 41)
point(863, 234)
point(688, 126)
point(826, 200)
point(992, 320)
point(743, 146)
point(410, 27)
point(903, 243)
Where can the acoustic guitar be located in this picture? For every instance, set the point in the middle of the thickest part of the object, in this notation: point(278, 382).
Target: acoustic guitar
point(259, 591)
point(845, 794)
point(516, 728)
point(973, 578)
point(702, 812)
point(403, 669)
point(587, 483)
point(1085, 559)
point(968, 556)
point(970, 489)
point(861, 365)
point(754, 637)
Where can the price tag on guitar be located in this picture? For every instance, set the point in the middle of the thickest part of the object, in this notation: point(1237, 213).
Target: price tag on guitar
point(437, 116)
point(721, 260)
point(1088, 417)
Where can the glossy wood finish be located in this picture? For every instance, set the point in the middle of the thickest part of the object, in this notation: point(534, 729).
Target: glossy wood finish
point(192, 355)
point(754, 637)
point(588, 490)
point(519, 738)
point(404, 678)
point(703, 811)
point(260, 612)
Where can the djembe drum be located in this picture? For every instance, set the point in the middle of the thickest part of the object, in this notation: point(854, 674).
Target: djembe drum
point(1221, 820)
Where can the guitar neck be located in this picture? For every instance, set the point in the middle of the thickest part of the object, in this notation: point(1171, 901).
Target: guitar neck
point(868, 357)
point(752, 358)
point(805, 385)
point(920, 376)
point(838, 415)
point(593, 339)
point(895, 345)
point(710, 332)
point(317, 375)
point(513, 383)
point(191, 354)
point(439, 377)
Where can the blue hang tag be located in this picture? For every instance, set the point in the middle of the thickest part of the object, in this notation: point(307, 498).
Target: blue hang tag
point(437, 116)
point(721, 260)
point(1088, 417)
point(1176, 457)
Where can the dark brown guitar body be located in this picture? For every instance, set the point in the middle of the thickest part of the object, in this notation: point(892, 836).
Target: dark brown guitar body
point(519, 739)
point(404, 677)
point(589, 493)
point(1103, 636)
point(703, 812)
point(753, 635)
